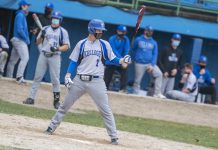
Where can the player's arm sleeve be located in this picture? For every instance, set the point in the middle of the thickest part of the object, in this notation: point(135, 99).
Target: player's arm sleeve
point(75, 53)
point(126, 46)
point(181, 61)
point(19, 26)
point(72, 68)
point(66, 40)
point(155, 54)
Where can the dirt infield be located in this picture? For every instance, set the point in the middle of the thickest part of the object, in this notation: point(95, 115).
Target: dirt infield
point(25, 132)
point(130, 105)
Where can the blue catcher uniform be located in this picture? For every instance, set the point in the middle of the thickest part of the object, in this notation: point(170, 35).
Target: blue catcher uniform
point(120, 45)
point(86, 60)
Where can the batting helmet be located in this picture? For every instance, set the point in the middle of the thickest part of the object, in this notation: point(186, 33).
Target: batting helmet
point(203, 59)
point(122, 28)
point(49, 5)
point(96, 24)
point(176, 36)
point(149, 28)
point(57, 15)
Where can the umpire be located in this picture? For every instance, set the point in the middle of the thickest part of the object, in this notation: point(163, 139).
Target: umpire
point(120, 45)
point(170, 61)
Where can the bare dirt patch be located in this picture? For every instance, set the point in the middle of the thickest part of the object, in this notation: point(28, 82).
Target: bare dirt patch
point(26, 132)
point(130, 105)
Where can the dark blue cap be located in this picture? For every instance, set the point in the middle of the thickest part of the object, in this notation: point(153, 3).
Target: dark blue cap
point(23, 3)
point(176, 36)
point(149, 28)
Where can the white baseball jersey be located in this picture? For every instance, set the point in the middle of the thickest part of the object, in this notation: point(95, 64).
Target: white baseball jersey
point(3, 42)
point(191, 83)
point(91, 64)
point(53, 38)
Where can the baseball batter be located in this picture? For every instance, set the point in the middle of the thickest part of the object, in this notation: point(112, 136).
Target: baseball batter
point(3, 53)
point(54, 40)
point(88, 56)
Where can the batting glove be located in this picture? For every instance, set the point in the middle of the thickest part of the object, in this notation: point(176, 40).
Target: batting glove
point(54, 48)
point(127, 59)
point(68, 82)
point(43, 34)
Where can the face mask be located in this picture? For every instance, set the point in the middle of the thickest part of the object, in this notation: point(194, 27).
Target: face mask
point(98, 35)
point(120, 35)
point(175, 43)
point(55, 21)
point(48, 11)
point(202, 66)
point(26, 11)
point(149, 34)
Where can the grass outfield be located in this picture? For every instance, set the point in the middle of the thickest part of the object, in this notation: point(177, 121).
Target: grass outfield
point(10, 148)
point(198, 135)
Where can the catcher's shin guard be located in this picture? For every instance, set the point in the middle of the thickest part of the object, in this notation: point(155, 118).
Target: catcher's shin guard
point(56, 100)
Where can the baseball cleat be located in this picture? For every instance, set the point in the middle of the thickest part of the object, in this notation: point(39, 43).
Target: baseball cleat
point(48, 131)
point(29, 101)
point(20, 80)
point(159, 96)
point(56, 104)
point(114, 141)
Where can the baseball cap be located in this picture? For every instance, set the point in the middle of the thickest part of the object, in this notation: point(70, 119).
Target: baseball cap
point(23, 3)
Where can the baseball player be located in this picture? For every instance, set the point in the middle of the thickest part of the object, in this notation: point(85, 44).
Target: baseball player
point(145, 53)
point(54, 40)
point(20, 42)
point(169, 62)
point(206, 83)
point(188, 85)
point(87, 60)
point(3, 53)
point(120, 45)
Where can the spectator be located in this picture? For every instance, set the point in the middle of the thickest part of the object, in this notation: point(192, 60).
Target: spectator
point(120, 45)
point(3, 53)
point(188, 86)
point(20, 42)
point(45, 19)
point(206, 83)
point(170, 61)
point(145, 52)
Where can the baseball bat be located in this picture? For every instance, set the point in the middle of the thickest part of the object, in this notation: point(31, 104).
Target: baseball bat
point(139, 20)
point(37, 21)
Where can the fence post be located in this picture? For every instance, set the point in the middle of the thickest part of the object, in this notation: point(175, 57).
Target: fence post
point(178, 8)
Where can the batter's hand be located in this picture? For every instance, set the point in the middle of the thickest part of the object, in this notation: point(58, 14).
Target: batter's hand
point(127, 59)
point(43, 34)
point(54, 49)
point(68, 82)
point(124, 65)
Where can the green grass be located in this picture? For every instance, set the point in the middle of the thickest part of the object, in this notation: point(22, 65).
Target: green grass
point(10, 148)
point(198, 135)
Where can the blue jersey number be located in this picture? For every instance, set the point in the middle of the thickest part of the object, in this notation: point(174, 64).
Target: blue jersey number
point(97, 63)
